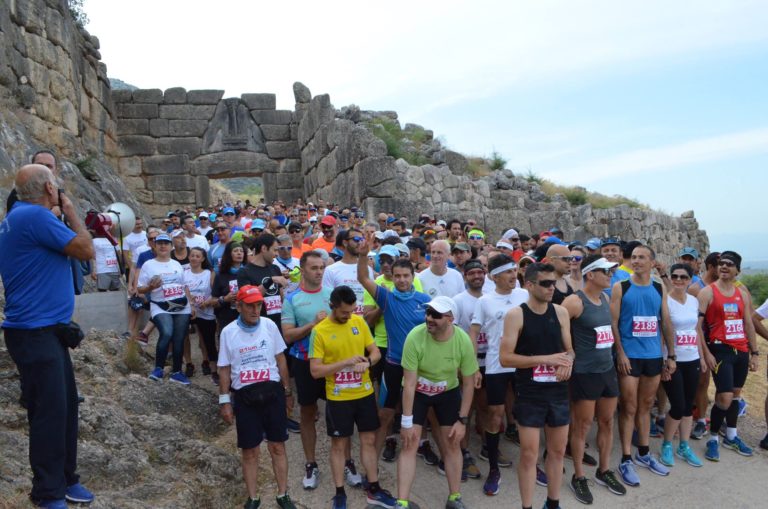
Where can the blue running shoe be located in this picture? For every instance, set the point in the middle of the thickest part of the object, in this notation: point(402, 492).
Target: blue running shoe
point(666, 457)
point(541, 476)
point(685, 452)
point(78, 494)
point(381, 498)
point(629, 474)
point(654, 432)
point(491, 486)
point(180, 378)
point(339, 502)
point(737, 445)
point(53, 504)
point(649, 461)
point(742, 407)
point(157, 374)
point(292, 426)
point(713, 450)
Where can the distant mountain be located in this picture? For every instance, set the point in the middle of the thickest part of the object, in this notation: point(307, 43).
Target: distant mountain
point(118, 84)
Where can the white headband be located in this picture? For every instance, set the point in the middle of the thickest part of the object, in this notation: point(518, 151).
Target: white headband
point(506, 245)
point(503, 268)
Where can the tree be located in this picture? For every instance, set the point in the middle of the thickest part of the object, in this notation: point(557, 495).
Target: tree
point(77, 12)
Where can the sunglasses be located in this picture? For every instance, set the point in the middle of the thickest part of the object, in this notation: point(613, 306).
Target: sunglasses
point(326, 227)
point(294, 231)
point(516, 239)
point(726, 263)
point(356, 238)
point(569, 259)
point(476, 237)
point(608, 272)
point(429, 232)
point(385, 260)
point(229, 214)
point(151, 239)
point(284, 248)
point(683, 277)
point(576, 258)
point(434, 314)
point(546, 283)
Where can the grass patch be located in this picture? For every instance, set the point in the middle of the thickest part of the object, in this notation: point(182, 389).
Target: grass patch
point(497, 162)
point(132, 356)
point(85, 165)
point(577, 195)
point(400, 144)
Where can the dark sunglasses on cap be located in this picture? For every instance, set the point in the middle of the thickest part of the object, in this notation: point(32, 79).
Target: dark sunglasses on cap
point(683, 277)
point(434, 314)
point(546, 283)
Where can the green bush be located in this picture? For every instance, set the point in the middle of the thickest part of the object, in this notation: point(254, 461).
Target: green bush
point(758, 287)
point(396, 140)
point(497, 162)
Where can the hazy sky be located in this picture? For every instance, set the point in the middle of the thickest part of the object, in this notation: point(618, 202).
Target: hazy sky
point(661, 101)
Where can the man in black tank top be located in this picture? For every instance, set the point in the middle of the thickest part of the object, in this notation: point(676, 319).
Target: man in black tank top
point(560, 258)
point(594, 385)
point(537, 341)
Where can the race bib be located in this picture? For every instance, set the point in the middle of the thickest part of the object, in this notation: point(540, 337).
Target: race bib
point(172, 291)
point(734, 330)
point(359, 310)
point(686, 339)
point(111, 262)
point(348, 379)
point(199, 300)
point(482, 342)
point(233, 286)
point(645, 326)
point(604, 337)
point(429, 387)
point(544, 373)
point(273, 304)
point(248, 376)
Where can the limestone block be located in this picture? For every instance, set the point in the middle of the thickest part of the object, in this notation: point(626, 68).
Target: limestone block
point(320, 112)
point(134, 183)
point(187, 127)
point(39, 78)
point(69, 115)
point(158, 127)
point(204, 96)
point(290, 165)
point(144, 195)
point(132, 126)
point(272, 116)
point(171, 182)
point(301, 93)
point(259, 101)
point(326, 170)
point(166, 165)
point(129, 166)
point(283, 149)
point(60, 87)
point(136, 145)
point(202, 190)
point(294, 130)
point(186, 111)
point(122, 96)
point(236, 162)
point(163, 197)
point(148, 95)
point(276, 132)
point(176, 95)
point(378, 177)
point(184, 197)
point(30, 15)
point(188, 146)
point(129, 110)
point(315, 150)
point(457, 162)
point(85, 105)
point(54, 27)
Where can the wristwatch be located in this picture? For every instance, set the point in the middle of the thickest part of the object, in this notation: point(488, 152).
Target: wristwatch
point(464, 420)
point(672, 357)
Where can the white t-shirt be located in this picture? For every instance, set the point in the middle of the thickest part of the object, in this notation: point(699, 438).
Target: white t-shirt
point(172, 288)
point(763, 310)
point(465, 301)
point(200, 288)
point(449, 284)
point(132, 242)
point(204, 230)
point(489, 315)
point(139, 250)
point(339, 274)
point(197, 241)
point(251, 354)
point(106, 259)
point(289, 266)
point(684, 318)
point(489, 286)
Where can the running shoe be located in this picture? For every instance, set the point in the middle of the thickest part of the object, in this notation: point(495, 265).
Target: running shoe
point(742, 407)
point(215, 378)
point(666, 457)
point(469, 468)
point(503, 460)
point(78, 494)
point(455, 504)
point(655, 432)
point(425, 451)
point(649, 461)
point(310, 479)
point(59, 503)
point(252, 503)
point(285, 502)
point(390, 450)
point(441, 471)
point(339, 502)
point(580, 488)
point(491, 486)
point(738, 445)
point(157, 374)
point(713, 450)
point(381, 498)
point(685, 452)
point(698, 430)
point(179, 378)
point(206, 368)
point(541, 476)
point(350, 474)
point(189, 371)
point(608, 479)
point(142, 339)
point(764, 442)
point(588, 459)
point(292, 426)
point(512, 434)
point(628, 473)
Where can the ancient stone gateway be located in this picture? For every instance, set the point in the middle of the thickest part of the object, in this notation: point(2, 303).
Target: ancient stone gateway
point(171, 143)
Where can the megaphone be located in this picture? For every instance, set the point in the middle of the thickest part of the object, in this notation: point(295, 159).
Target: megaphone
point(121, 214)
point(118, 214)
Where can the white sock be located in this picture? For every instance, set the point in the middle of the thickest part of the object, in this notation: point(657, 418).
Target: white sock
point(730, 433)
point(703, 421)
point(714, 436)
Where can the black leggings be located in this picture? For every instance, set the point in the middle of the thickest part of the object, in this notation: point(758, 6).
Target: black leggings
point(681, 389)
point(207, 330)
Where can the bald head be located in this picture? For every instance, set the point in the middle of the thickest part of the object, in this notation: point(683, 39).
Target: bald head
point(558, 250)
point(31, 181)
point(555, 256)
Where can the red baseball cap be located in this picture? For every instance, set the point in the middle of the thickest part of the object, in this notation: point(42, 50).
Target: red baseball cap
point(249, 294)
point(329, 221)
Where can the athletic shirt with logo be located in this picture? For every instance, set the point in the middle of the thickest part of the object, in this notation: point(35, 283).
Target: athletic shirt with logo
point(251, 274)
point(300, 308)
point(380, 330)
point(449, 284)
point(172, 288)
point(540, 335)
point(133, 241)
point(345, 274)
point(489, 315)
point(251, 354)
point(200, 288)
point(401, 314)
point(106, 258)
point(639, 321)
point(466, 302)
point(684, 318)
point(592, 336)
point(725, 319)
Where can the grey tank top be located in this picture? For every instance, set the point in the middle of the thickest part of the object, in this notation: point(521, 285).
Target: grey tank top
point(592, 337)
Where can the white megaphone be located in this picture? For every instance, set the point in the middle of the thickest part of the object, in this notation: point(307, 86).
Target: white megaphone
point(123, 216)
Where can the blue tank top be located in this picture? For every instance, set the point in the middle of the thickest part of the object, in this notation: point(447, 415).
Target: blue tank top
point(640, 320)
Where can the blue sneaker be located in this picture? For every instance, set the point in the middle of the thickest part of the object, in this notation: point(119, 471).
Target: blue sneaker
point(52, 504)
point(649, 461)
point(180, 378)
point(629, 474)
point(541, 476)
point(666, 457)
point(381, 498)
point(292, 426)
point(685, 452)
point(655, 432)
point(713, 452)
point(737, 445)
point(742, 407)
point(339, 502)
point(491, 486)
point(78, 494)
point(157, 374)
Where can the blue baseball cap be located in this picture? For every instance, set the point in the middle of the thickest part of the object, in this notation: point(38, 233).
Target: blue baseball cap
point(554, 240)
point(258, 224)
point(163, 237)
point(593, 243)
point(610, 241)
point(389, 250)
point(228, 210)
point(688, 251)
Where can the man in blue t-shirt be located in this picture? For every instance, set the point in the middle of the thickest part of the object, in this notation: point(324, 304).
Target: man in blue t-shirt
point(39, 294)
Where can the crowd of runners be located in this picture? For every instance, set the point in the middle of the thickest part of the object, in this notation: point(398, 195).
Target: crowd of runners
point(421, 332)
